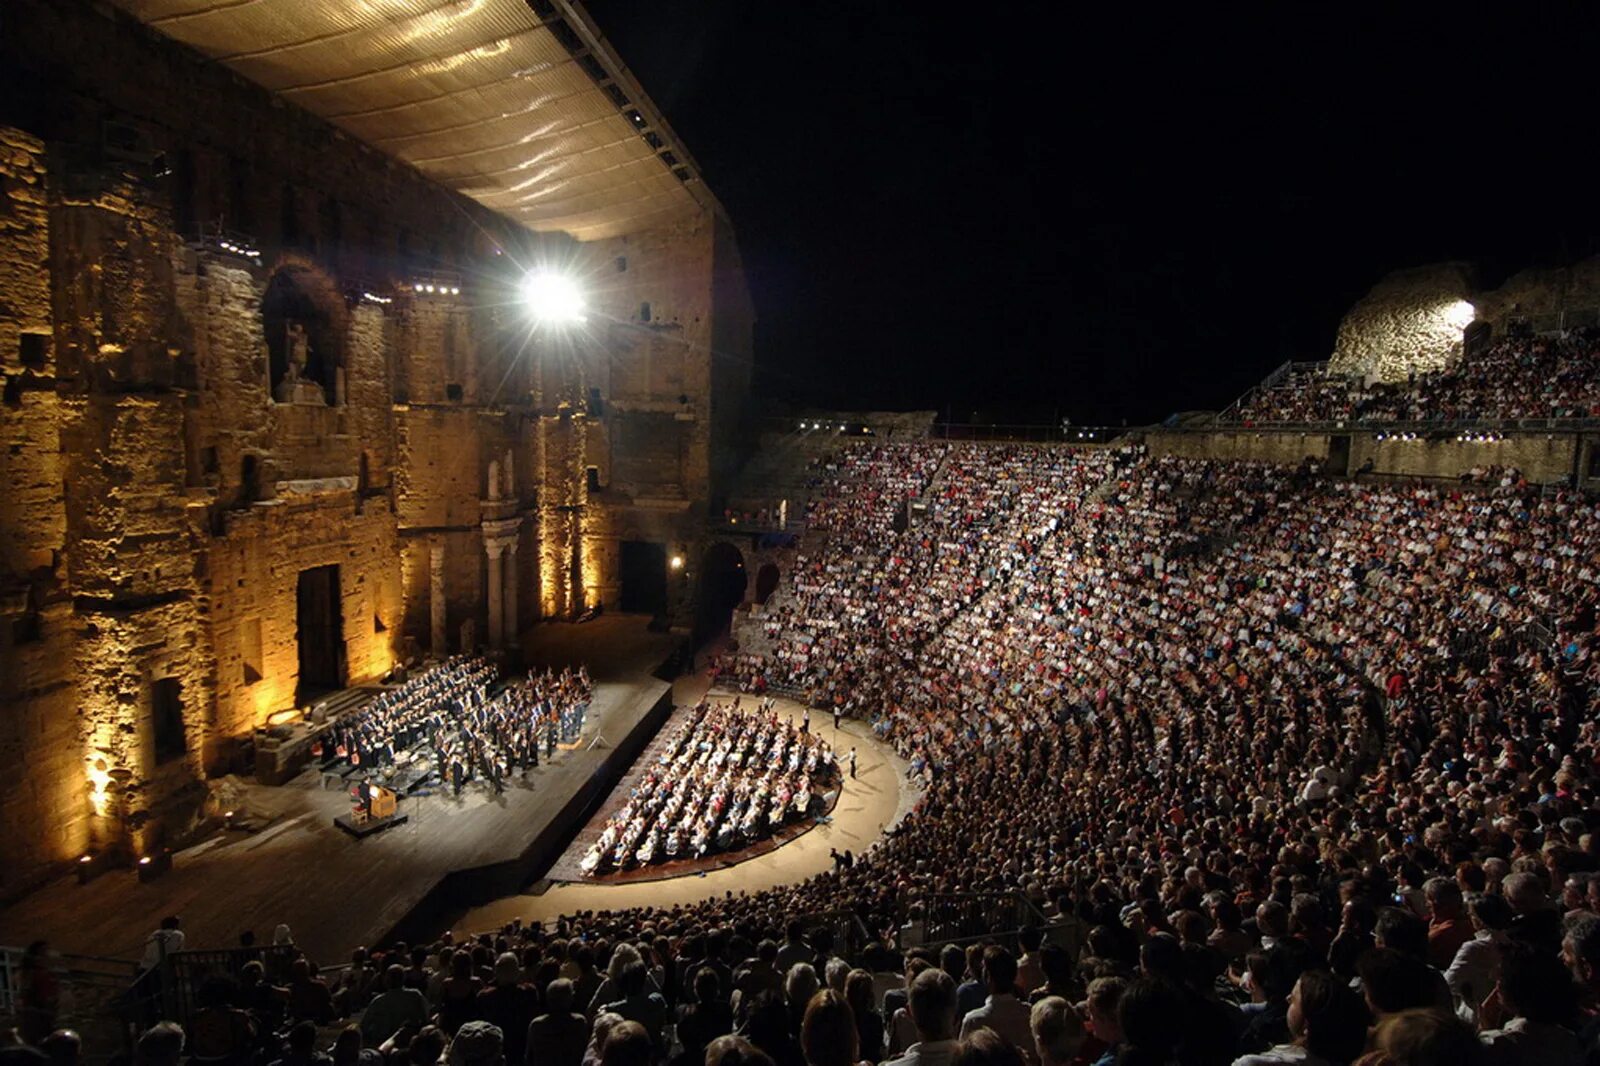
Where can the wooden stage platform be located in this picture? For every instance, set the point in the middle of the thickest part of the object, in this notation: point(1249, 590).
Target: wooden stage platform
point(337, 893)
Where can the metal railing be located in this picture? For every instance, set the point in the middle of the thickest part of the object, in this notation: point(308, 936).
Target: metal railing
point(958, 917)
point(1028, 434)
point(1436, 428)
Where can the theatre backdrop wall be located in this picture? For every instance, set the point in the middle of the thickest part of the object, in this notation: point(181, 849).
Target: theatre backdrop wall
point(204, 455)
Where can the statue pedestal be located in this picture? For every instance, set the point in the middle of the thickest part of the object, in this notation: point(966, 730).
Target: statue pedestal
point(300, 391)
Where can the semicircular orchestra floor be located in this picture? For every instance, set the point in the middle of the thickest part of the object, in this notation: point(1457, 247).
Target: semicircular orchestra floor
point(874, 799)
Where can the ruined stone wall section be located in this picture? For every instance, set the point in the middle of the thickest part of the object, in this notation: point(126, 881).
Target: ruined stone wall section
point(1546, 298)
point(253, 576)
point(120, 657)
point(732, 362)
point(442, 466)
point(1412, 321)
point(32, 519)
point(161, 503)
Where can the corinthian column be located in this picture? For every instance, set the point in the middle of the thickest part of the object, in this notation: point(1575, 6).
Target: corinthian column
point(497, 588)
point(511, 593)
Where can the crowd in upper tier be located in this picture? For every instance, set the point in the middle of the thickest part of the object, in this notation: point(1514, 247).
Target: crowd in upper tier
point(1519, 378)
point(1287, 768)
point(726, 777)
point(451, 722)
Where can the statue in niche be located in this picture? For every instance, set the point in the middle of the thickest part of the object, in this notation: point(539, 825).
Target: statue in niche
point(295, 388)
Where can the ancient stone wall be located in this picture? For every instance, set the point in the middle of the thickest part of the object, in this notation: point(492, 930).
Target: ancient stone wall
point(1544, 458)
point(1411, 321)
point(187, 430)
point(1414, 320)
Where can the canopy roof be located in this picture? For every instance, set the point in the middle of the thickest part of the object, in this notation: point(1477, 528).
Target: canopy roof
point(521, 106)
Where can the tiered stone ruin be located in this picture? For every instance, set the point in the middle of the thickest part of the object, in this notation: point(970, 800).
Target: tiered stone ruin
point(235, 481)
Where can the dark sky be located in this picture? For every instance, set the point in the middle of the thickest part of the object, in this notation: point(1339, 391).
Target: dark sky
point(1109, 217)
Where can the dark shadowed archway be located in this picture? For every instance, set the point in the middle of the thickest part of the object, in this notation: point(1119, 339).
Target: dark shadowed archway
point(766, 581)
point(720, 590)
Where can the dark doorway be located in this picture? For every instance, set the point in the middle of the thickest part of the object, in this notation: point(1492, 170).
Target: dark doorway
point(1338, 463)
point(166, 719)
point(644, 577)
point(721, 590)
point(321, 631)
point(1476, 338)
point(766, 581)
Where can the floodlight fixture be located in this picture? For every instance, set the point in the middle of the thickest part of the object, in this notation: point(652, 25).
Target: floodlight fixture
point(552, 298)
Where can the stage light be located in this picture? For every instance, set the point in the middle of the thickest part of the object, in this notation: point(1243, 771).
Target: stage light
point(552, 298)
point(677, 562)
point(1460, 314)
point(144, 860)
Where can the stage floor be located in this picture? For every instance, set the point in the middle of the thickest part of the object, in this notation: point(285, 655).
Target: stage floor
point(336, 893)
point(877, 798)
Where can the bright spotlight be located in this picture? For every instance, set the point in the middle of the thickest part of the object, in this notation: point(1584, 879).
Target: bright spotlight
point(552, 298)
point(677, 562)
point(1460, 314)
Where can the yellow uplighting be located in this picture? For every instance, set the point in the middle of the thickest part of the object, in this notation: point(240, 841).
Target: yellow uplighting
point(99, 778)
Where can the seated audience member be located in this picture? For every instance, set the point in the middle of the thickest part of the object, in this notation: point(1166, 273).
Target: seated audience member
point(1527, 1019)
point(985, 1047)
point(1001, 1011)
point(932, 1005)
point(1057, 1029)
point(559, 1035)
point(828, 1032)
point(394, 1007)
point(1327, 1025)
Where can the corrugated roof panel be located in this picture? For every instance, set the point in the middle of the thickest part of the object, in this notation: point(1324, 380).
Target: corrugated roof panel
point(475, 93)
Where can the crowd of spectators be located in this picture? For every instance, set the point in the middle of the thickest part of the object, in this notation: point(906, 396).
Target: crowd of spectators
point(1517, 378)
point(726, 777)
point(1279, 768)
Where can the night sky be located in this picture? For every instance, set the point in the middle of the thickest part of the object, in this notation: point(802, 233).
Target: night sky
point(976, 210)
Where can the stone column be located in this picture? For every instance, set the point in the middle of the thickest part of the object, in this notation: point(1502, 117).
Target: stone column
point(511, 593)
point(497, 588)
point(436, 600)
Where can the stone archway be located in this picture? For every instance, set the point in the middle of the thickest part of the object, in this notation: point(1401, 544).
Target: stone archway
point(720, 590)
point(303, 318)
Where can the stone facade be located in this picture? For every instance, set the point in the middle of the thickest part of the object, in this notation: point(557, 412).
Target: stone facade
point(1415, 320)
point(1411, 321)
point(1544, 458)
point(203, 449)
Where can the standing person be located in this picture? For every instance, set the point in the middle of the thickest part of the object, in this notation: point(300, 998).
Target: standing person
point(837, 711)
point(163, 942)
point(805, 720)
point(852, 764)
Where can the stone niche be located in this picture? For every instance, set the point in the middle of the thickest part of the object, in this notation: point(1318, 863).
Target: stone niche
point(1412, 321)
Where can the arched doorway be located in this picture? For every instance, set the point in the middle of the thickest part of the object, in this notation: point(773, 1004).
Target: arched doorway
point(766, 581)
point(302, 335)
point(721, 589)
